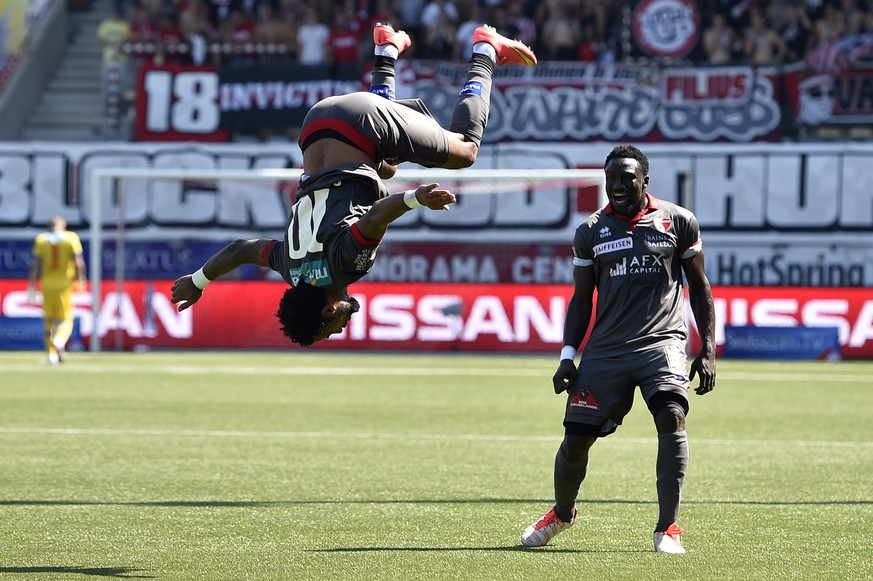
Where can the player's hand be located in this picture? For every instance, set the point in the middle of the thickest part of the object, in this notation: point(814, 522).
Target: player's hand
point(565, 376)
point(703, 367)
point(434, 198)
point(185, 292)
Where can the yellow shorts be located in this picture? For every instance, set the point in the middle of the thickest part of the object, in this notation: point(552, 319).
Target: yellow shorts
point(58, 305)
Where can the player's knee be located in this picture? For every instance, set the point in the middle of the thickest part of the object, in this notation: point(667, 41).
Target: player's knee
point(575, 447)
point(669, 417)
point(462, 154)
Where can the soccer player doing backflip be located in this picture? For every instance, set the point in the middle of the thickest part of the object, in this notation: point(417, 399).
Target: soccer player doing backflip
point(350, 143)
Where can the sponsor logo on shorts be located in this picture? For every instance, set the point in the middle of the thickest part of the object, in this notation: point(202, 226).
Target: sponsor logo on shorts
point(613, 246)
point(584, 399)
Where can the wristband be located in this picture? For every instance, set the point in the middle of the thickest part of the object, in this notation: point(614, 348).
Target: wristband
point(568, 352)
point(410, 199)
point(199, 279)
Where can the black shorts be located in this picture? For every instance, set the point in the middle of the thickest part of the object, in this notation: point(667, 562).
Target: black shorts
point(395, 130)
point(604, 390)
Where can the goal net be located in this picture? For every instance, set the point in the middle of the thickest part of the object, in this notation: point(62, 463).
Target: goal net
point(145, 223)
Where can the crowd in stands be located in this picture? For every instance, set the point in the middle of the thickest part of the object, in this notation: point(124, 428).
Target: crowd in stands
point(336, 32)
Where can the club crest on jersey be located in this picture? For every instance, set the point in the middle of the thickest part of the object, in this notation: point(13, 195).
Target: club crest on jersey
point(663, 224)
point(584, 399)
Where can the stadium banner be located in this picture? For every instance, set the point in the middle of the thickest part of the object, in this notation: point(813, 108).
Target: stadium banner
point(841, 98)
point(802, 343)
point(28, 334)
point(275, 97)
point(554, 101)
point(177, 103)
point(836, 86)
point(786, 216)
point(429, 317)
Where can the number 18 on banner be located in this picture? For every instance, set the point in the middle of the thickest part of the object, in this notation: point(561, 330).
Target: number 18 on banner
point(178, 103)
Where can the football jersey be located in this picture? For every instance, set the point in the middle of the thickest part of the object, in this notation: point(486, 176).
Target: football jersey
point(322, 245)
point(638, 275)
point(57, 251)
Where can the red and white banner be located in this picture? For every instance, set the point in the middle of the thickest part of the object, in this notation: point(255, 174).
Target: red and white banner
point(426, 317)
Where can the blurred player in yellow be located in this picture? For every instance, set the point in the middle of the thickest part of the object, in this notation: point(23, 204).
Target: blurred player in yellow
point(58, 261)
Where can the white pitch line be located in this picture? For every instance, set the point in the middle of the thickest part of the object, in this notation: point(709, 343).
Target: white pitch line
point(404, 371)
point(401, 436)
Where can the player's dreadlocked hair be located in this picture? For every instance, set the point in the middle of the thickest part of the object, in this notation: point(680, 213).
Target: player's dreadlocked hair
point(620, 151)
point(300, 313)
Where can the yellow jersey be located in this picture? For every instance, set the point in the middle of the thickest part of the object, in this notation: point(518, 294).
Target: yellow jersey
point(57, 251)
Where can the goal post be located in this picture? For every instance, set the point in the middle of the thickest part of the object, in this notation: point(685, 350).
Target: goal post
point(476, 181)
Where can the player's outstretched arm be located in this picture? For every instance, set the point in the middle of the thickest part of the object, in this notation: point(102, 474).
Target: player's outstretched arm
point(703, 307)
point(374, 223)
point(188, 289)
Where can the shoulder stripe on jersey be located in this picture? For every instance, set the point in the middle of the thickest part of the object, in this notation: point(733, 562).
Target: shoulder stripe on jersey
point(582, 262)
point(360, 237)
point(692, 250)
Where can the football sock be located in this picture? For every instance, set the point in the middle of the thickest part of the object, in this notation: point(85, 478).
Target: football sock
point(486, 49)
point(474, 103)
point(388, 50)
point(382, 83)
point(569, 475)
point(671, 466)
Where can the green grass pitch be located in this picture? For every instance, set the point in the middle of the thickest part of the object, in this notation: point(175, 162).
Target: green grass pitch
point(322, 466)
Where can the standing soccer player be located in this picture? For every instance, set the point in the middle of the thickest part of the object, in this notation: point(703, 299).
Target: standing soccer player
point(58, 262)
point(351, 143)
point(633, 252)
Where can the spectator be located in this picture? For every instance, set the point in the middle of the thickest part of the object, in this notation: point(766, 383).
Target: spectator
point(112, 33)
point(762, 46)
point(344, 41)
point(561, 36)
point(795, 31)
point(271, 28)
point(524, 27)
point(588, 45)
point(430, 16)
point(409, 13)
point(463, 43)
point(828, 28)
point(719, 41)
point(439, 39)
point(143, 34)
point(171, 43)
point(312, 37)
point(853, 17)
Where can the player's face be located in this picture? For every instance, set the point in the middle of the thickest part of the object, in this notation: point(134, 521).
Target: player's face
point(344, 309)
point(626, 186)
